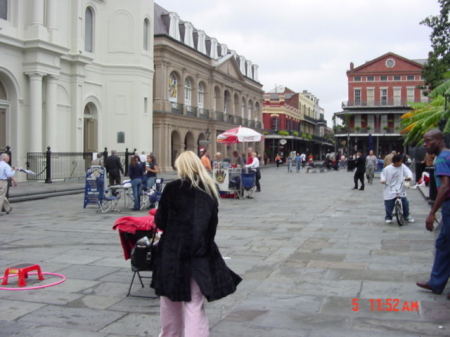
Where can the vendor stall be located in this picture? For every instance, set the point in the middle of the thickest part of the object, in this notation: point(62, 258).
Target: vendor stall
point(223, 174)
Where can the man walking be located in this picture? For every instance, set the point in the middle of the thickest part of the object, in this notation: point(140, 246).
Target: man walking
point(298, 162)
point(360, 165)
point(113, 166)
point(434, 144)
point(6, 172)
point(371, 166)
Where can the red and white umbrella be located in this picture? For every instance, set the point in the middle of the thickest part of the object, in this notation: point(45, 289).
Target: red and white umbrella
point(239, 135)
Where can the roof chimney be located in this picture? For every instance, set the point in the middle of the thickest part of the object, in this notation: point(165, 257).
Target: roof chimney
point(351, 65)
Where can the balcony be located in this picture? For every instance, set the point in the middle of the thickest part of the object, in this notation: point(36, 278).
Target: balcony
point(377, 103)
point(382, 130)
point(177, 108)
point(191, 111)
point(219, 116)
point(203, 113)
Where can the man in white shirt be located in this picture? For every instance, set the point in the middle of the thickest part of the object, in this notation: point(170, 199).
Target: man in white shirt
point(393, 176)
point(255, 166)
point(6, 172)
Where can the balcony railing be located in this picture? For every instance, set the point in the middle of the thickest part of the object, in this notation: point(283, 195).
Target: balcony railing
point(238, 120)
point(191, 111)
point(203, 113)
point(229, 118)
point(379, 103)
point(345, 130)
point(177, 108)
point(219, 116)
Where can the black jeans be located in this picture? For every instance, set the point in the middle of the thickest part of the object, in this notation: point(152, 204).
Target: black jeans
point(359, 176)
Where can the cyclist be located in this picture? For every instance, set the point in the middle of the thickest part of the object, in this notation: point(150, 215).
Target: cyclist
point(393, 175)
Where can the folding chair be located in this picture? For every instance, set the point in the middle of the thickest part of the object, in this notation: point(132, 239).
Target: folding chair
point(105, 203)
point(248, 183)
point(141, 256)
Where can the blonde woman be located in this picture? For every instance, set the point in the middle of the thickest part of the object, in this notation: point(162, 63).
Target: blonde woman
point(188, 265)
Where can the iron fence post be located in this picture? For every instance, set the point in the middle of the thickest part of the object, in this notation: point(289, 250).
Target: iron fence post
point(8, 152)
point(127, 154)
point(48, 170)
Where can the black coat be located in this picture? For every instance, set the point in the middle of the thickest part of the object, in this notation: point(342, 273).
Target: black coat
point(189, 218)
point(360, 164)
point(113, 165)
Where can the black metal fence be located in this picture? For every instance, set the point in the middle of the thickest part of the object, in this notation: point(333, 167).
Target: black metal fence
point(50, 165)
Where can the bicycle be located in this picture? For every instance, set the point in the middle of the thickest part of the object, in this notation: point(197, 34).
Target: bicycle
point(398, 207)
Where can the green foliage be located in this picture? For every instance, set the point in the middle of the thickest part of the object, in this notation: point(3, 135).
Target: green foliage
point(436, 68)
point(283, 133)
point(295, 133)
point(426, 116)
point(357, 128)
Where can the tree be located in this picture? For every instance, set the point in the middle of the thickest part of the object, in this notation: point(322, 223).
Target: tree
point(427, 116)
point(436, 68)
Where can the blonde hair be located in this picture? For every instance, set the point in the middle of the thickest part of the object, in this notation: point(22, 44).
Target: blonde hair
point(189, 166)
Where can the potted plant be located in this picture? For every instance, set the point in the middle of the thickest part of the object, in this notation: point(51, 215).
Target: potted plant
point(295, 133)
point(368, 128)
point(386, 128)
point(283, 133)
point(357, 128)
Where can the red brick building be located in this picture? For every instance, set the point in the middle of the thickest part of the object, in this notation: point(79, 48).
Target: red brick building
point(294, 122)
point(378, 94)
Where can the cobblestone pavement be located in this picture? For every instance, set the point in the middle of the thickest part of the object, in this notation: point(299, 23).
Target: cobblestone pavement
point(316, 257)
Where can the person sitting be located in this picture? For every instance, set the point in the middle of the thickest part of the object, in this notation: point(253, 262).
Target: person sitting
point(311, 165)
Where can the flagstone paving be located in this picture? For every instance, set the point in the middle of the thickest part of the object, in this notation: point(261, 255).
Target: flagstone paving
point(316, 258)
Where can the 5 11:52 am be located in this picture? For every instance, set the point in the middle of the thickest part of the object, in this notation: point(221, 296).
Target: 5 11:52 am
point(389, 304)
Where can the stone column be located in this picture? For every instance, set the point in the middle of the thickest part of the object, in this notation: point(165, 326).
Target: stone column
point(35, 111)
point(51, 121)
point(38, 12)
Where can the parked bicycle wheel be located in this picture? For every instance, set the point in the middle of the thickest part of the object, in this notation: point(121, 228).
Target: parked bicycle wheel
point(398, 210)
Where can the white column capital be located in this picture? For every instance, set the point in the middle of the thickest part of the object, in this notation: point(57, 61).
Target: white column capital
point(34, 74)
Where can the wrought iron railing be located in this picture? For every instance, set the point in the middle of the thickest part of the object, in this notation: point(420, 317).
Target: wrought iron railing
point(203, 113)
point(219, 116)
point(191, 111)
point(177, 108)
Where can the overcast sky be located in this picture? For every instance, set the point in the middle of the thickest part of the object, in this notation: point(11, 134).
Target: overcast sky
point(309, 44)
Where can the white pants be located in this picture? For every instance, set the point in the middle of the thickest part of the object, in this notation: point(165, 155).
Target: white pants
point(188, 316)
point(3, 200)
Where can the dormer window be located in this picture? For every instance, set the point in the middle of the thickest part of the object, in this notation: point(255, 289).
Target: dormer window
point(249, 69)
point(174, 29)
point(188, 34)
point(223, 50)
point(213, 52)
point(242, 64)
point(201, 42)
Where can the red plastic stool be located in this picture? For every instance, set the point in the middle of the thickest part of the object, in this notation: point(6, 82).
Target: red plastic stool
point(22, 270)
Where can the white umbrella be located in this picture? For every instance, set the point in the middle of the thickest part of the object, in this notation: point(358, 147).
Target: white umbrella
point(240, 134)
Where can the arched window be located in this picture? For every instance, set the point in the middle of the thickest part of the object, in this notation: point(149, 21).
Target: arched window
point(173, 87)
point(275, 123)
point(250, 110)
point(225, 101)
point(89, 30)
point(4, 9)
point(201, 95)
point(3, 92)
point(146, 34)
point(187, 91)
point(243, 108)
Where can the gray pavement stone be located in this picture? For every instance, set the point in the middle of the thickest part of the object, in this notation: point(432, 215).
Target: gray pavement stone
point(306, 246)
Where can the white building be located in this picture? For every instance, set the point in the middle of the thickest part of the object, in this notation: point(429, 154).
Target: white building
point(75, 75)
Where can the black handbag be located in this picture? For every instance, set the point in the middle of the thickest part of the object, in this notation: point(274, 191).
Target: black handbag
point(143, 253)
